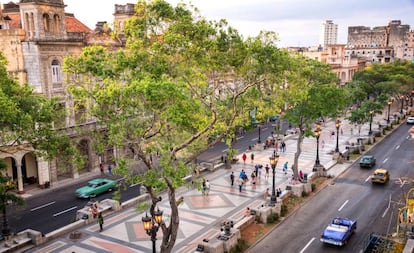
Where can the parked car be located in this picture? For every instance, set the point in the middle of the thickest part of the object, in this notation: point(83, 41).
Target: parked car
point(410, 120)
point(380, 176)
point(367, 161)
point(95, 187)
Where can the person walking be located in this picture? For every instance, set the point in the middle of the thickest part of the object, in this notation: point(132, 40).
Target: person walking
point(100, 221)
point(244, 157)
point(267, 168)
point(266, 194)
point(285, 167)
point(232, 178)
point(240, 182)
point(252, 157)
point(110, 170)
point(101, 168)
point(207, 187)
point(283, 145)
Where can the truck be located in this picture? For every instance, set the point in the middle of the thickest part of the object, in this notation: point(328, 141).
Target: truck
point(338, 231)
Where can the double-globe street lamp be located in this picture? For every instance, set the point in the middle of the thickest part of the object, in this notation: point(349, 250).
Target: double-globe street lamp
point(337, 125)
point(317, 133)
point(389, 111)
point(371, 113)
point(151, 226)
point(273, 162)
point(260, 129)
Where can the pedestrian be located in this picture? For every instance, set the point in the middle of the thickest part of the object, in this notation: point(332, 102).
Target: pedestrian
point(256, 169)
point(94, 210)
point(100, 221)
point(267, 168)
point(247, 212)
point(283, 146)
point(253, 175)
point(203, 186)
point(244, 157)
point(232, 178)
point(101, 168)
point(352, 131)
point(266, 194)
point(109, 169)
point(252, 156)
point(332, 133)
point(323, 143)
point(300, 174)
point(240, 182)
point(207, 187)
point(285, 167)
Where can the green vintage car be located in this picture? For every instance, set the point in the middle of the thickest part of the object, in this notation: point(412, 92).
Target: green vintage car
point(95, 187)
point(367, 161)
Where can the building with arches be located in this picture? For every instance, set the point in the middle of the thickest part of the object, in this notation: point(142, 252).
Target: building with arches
point(35, 37)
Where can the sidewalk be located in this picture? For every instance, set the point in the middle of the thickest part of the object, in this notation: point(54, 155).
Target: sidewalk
point(200, 215)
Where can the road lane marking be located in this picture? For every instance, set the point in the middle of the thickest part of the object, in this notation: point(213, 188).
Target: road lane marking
point(264, 129)
point(254, 139)
point(388, 207)
point(224, 150)
point(39, 207)
point(397, 147)
point(241, 137)
point(368, 178)
point(343, 205)
point(385, 160)
point(307, 245)
point(65, 211)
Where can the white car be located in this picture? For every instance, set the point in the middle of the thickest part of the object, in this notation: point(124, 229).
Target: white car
point(410, 120)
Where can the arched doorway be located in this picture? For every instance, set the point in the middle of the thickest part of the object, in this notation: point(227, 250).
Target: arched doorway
point(30, 169)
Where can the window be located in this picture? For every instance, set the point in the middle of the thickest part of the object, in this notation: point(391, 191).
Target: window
point(56, 72)
point(46, 22)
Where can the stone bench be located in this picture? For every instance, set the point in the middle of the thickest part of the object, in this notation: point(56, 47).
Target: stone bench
point(18, 242)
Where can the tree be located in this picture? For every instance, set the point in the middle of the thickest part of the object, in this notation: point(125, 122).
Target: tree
point(26, 120)
point(180, 81)
point(312, 94)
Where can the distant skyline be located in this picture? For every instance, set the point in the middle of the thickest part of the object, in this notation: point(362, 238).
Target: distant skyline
point(298, 22)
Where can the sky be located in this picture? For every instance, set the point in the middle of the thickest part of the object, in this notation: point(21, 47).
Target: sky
point(297, 22)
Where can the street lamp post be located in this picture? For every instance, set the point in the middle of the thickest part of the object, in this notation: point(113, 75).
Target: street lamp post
point(371, 113)
point(151, 226)
point(260, 129)
point(402, 103)
point(273, 162)
point(389, 111)
point(317, 134)
point(337, 125)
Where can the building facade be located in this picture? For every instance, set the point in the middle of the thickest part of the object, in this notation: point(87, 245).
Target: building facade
point(329, 34)
point(35, 37)
point(380, 44)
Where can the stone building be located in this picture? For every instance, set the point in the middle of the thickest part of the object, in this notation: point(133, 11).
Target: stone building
point(380, 44)
point(35, 37)
point(329, 34)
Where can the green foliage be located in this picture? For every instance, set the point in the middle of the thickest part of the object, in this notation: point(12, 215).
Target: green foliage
point(283, 210)
point(304, 194)
point(241, 246)
point(272, 218)
point(313, 187)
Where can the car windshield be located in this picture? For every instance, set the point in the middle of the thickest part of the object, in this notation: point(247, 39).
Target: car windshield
point(379, 174)
point(366, 159)
point(92, 185)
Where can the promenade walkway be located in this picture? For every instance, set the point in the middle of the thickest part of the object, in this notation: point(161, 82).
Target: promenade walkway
point(201, 215)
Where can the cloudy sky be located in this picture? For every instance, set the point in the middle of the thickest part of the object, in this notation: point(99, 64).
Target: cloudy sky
point(296, 21)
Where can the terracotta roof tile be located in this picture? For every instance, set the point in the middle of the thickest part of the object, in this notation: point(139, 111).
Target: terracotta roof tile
point(74, 25)
point(15, 20)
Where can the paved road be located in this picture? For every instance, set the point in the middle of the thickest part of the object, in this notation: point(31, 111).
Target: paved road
point(200, 216)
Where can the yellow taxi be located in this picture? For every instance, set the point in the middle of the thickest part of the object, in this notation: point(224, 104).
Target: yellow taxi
point(380, 176)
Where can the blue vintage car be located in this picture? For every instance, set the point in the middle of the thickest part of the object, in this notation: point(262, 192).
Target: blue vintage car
point(95, 187)
point(339, 231)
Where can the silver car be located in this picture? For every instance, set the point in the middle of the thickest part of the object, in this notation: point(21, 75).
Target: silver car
point(410, 120)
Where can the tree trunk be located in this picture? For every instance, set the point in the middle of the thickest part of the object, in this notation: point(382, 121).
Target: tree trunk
point(297, 154)
point(170, 232)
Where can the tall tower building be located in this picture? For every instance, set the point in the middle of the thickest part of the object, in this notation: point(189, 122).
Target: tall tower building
point(329, 33)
